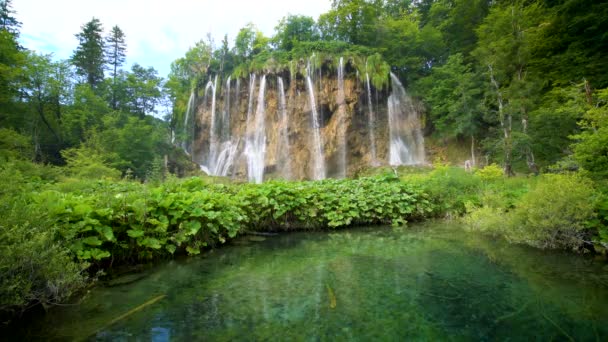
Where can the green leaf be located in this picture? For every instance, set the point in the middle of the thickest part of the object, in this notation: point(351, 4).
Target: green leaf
point(150, 243)
point(99, 254)
point(166, 202)
point(197, 212)
point(193, 250)
point(92, 241)
point(135, 233)
point(106, 232)
point(171, 248)
point(191, 227)
point(82, 210)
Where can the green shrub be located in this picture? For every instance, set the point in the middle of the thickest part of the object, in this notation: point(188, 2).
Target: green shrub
point(35, 269)
point(452, 190)
point(490, 173)
point(555, 212)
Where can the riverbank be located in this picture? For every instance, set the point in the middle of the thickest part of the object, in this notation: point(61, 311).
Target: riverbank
point(61, 232)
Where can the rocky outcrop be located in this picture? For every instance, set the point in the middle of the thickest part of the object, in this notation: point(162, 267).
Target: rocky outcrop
point(299, 125)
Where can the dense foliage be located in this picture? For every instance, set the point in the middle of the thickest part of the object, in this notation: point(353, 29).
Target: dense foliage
point(57, 229)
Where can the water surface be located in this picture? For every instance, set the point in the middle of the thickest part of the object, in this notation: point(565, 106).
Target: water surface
point(432, 281)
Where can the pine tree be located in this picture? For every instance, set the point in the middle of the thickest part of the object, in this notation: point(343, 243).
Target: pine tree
point(12, 59)
point(7, 21)
point(89, 55)
point(115, 56)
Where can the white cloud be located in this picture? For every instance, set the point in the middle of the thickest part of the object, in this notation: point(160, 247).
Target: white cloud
point(157, 32)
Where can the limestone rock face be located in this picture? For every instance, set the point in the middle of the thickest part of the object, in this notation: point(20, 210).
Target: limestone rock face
point(239, 102)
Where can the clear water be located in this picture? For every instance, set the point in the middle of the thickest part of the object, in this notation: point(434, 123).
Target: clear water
point(428, 282)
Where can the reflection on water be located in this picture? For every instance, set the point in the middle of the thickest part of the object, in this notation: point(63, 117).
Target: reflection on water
point(433, 281)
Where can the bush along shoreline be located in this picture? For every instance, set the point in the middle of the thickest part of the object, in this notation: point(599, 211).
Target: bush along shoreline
point(60, 232)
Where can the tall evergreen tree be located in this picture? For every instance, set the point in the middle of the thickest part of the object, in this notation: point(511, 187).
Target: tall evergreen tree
point(12, 59)
point(115, 56)
point(89, 55)
point(7, 21)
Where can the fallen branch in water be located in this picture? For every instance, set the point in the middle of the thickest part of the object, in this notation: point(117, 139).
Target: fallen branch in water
point(129, 313)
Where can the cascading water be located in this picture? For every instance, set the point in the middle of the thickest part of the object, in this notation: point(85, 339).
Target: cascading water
point(240, 153)
point(284, 151)
point(251, 90)
point(189, 110)
point(371, 120)
point(405, 133)
point(225, 159)
point(225, 131)
point(255, 143)
point(228, 145)
point(341, 120)
point(317, 148)
point(214, 142)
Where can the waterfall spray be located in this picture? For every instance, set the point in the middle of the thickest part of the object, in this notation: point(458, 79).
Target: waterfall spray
point(285, 152)
point(255, 144)
point(213, 134)
point(405, 133)
point(371, 123)
point(189, 110)
point(318, 158)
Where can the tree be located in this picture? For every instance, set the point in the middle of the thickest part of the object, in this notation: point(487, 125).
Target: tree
point(12, 59)
point(115, 56)
point(591, 147)
point(11, 73)
point(293, 29)
point(143, 90)
point(410, 49)
point(224, 54)
point(43, 91)
point(243, 44)
point(573, 45)
point(8, 23)
point(84, 114)
point(457, 21)
point(454, 95)
point(506, 40)
point(353, 21)
point(89, 55)
point(554, 122)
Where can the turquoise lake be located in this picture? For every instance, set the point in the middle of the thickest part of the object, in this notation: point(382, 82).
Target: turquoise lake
point(432, 281)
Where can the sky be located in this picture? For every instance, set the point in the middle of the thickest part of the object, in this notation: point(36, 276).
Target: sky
point(157, 31)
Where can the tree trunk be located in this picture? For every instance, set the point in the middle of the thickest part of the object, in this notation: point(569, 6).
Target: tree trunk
point(46, 123)
point(473, 160)
point(506, 124)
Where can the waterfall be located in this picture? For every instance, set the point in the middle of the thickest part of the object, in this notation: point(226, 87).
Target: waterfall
point(225, 132)
point(255, 143)
point(371, 123)
point(225, 158)
point(341, 122)
point(405, 133)
point(237, 94)
point(214, 142)
point(251, 90)
point(318, 158)
point(228, 145)
point(189, 110)
point(284, 151)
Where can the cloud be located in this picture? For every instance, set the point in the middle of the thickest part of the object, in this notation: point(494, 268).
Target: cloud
point(157, 32)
